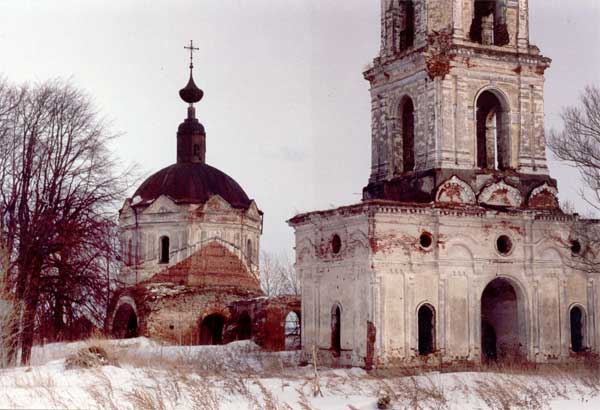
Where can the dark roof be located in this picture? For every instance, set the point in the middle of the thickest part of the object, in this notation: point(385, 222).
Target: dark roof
point(192, 183)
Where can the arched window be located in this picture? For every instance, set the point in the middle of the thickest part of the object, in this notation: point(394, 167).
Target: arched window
point(249, 252)
point(493, 129)
point(292, 331)
point(336, 330)
point(489, 23)
point(399, 26)
point(407, 33)
point(129, 252)
point(408, 135)
point(426, 315)
point(164, 249)
point(577, 329)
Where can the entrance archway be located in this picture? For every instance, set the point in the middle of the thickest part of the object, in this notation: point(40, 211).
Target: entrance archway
point(211, 330)
point(503, 322)
point(125, 323)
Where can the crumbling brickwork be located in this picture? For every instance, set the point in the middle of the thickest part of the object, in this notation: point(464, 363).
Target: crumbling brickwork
point(465, 257)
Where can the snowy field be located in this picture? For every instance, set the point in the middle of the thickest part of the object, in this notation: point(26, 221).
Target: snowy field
point(239, 376)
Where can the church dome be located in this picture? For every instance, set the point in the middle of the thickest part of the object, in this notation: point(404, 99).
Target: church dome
point(192, 183)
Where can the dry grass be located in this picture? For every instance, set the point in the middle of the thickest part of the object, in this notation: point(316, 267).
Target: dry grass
point(159, 379)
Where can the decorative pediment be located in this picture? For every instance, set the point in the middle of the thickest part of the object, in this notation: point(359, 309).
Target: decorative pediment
point(162, 205)
point(455, 191)
point(543, 197)
point(253, 211)
point(216, 204)
point(500, 194)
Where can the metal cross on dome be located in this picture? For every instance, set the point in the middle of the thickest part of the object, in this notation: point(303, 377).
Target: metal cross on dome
point(192, 49)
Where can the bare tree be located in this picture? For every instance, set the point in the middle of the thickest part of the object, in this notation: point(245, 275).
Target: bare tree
point(58, 190)
point(578, 144)
point(278, 275)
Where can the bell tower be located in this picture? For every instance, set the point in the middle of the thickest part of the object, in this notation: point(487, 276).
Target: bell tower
point(457, 90)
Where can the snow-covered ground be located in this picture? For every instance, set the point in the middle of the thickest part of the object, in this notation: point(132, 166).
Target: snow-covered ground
point(240, 376)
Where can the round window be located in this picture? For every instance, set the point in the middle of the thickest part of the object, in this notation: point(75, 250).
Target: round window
point(504, 244)
point(336, 244)
point(425, 240)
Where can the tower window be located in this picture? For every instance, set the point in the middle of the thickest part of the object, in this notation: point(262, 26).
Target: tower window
point(408, 135)
point(399, 26)
point(493, 140)
point(164, 249)
point(489, 23)
point(407, 34)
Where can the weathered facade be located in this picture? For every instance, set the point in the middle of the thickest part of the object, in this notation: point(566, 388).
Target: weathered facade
point(191, 240)
point(458, 251)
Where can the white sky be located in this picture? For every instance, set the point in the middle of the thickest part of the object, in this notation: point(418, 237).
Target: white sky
point(286, 110)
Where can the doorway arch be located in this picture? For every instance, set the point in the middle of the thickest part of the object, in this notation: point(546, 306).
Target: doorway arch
point(244, 327)
point(503, 321)
point(125, 323)
point(211, 330)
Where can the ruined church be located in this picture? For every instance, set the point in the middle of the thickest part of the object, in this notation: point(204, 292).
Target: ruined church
point(458, 252)
point(190, 240)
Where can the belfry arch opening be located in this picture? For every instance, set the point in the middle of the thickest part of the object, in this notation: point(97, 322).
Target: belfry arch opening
point(503, 322)
point(493, 132)
point(489, 23)
point(125, 322)
point(577, 322)
point(211, 330)
point(426, 323)
point(336, 330)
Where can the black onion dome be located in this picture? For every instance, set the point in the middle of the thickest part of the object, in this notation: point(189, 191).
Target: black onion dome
point(193, 183)
point(191, 93)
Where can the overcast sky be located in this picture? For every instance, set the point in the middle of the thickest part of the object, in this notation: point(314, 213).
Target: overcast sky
point(286, 110)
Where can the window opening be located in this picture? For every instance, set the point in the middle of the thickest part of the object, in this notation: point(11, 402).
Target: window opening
point(426, 330)
point(164, 249)
point(292, 331)
point(577, 329)
point(336, 328)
